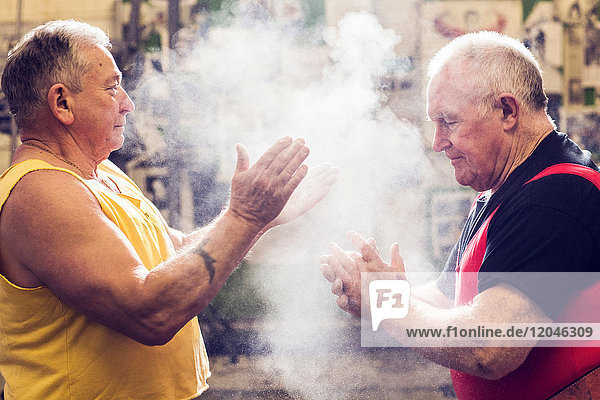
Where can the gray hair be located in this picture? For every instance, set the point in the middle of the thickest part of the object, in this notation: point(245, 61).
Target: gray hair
point(47, 55)
point(502, 65)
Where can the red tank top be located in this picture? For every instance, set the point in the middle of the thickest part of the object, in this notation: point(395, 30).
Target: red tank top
point(547, 370)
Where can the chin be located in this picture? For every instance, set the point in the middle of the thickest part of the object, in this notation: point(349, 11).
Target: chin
point(467, 181)
point(116, 143)
point(471, 180)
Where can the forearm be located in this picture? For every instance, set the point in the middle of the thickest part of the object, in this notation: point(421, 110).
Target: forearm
point(481, 358)
point(485, 362)
point(185, 240)
point(431, 313)
point(177, 290)
point(198, 235)
point(182, 240)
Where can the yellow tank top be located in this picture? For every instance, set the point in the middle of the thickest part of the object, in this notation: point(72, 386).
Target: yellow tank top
point(50, 351)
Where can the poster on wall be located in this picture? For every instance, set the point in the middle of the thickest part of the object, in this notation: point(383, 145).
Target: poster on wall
point(442, 21)
point(445, 20)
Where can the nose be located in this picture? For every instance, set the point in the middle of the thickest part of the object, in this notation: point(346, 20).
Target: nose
point(127, 105)
point(440, 142)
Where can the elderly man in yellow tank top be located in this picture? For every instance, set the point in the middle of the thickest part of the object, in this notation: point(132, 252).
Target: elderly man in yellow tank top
point(98, 296)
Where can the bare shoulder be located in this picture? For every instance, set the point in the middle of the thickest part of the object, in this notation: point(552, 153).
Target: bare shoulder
point(45, 194)
point(42, 206)
point(48, 215)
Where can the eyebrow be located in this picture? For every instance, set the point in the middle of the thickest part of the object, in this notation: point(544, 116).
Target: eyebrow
point(116, 77)
point(444, 116)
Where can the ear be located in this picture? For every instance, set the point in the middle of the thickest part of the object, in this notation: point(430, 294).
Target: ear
point(60, 103)
point(510, 110)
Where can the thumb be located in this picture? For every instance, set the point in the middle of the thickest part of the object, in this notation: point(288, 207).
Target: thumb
point(243, 160)
point(397, 263)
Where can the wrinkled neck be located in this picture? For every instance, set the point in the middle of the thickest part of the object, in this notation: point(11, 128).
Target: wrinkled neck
point(523, 146)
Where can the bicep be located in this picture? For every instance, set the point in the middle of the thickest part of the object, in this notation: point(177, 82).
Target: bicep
point(506, 305)
point(483, 357)
point(58, 231)
point(503, 303)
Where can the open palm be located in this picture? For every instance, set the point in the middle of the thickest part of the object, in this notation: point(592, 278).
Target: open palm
point(313, 188)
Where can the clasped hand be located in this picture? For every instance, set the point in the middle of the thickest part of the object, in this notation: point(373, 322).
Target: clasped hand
point(343, 269)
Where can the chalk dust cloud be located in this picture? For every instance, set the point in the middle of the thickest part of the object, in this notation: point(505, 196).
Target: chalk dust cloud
point(254, 81)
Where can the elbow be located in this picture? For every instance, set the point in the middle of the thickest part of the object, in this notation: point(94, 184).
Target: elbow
point(493, 372)
point(154, 338)
point(152, 329)
point(152, 316)
point(496, 363)
point(150, 320)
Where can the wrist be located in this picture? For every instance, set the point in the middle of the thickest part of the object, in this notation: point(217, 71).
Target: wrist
point(244, 223)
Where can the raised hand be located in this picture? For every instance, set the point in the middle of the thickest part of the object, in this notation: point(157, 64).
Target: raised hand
point(309, 193)
point(259, 193)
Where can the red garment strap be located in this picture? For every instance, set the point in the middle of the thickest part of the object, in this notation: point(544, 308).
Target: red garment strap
point(574, 169)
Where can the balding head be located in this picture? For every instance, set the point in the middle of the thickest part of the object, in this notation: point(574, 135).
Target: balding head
point(503, 65)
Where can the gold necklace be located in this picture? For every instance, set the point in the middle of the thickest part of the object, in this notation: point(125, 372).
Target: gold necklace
point(102, 181)
point(26, 142)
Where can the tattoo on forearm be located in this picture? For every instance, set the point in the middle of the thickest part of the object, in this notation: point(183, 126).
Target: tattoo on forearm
point(209, 262)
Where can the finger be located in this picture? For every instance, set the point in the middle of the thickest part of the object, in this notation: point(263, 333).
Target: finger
point(331, 179)
point(320, 176)
point(287, 165)
point(243, 160)
point(320, 169)
point(267, 158)
point(368, 252)
point(314, 187)
point(338, 287)
point(397, 263)
point(317, 194)
point(315, 197)
point(339, 271)
point(345, 304)
point(323, 259)
point(342, 258)
point(316, 183)
point(328, 273)
point(355, 256)
point(288, 155)
point(293, 183)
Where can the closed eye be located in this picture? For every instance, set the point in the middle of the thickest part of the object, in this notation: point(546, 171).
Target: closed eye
point(113, 89)
point(447, 123)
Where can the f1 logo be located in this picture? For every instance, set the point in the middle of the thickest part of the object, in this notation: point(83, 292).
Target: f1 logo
point(389, 300)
